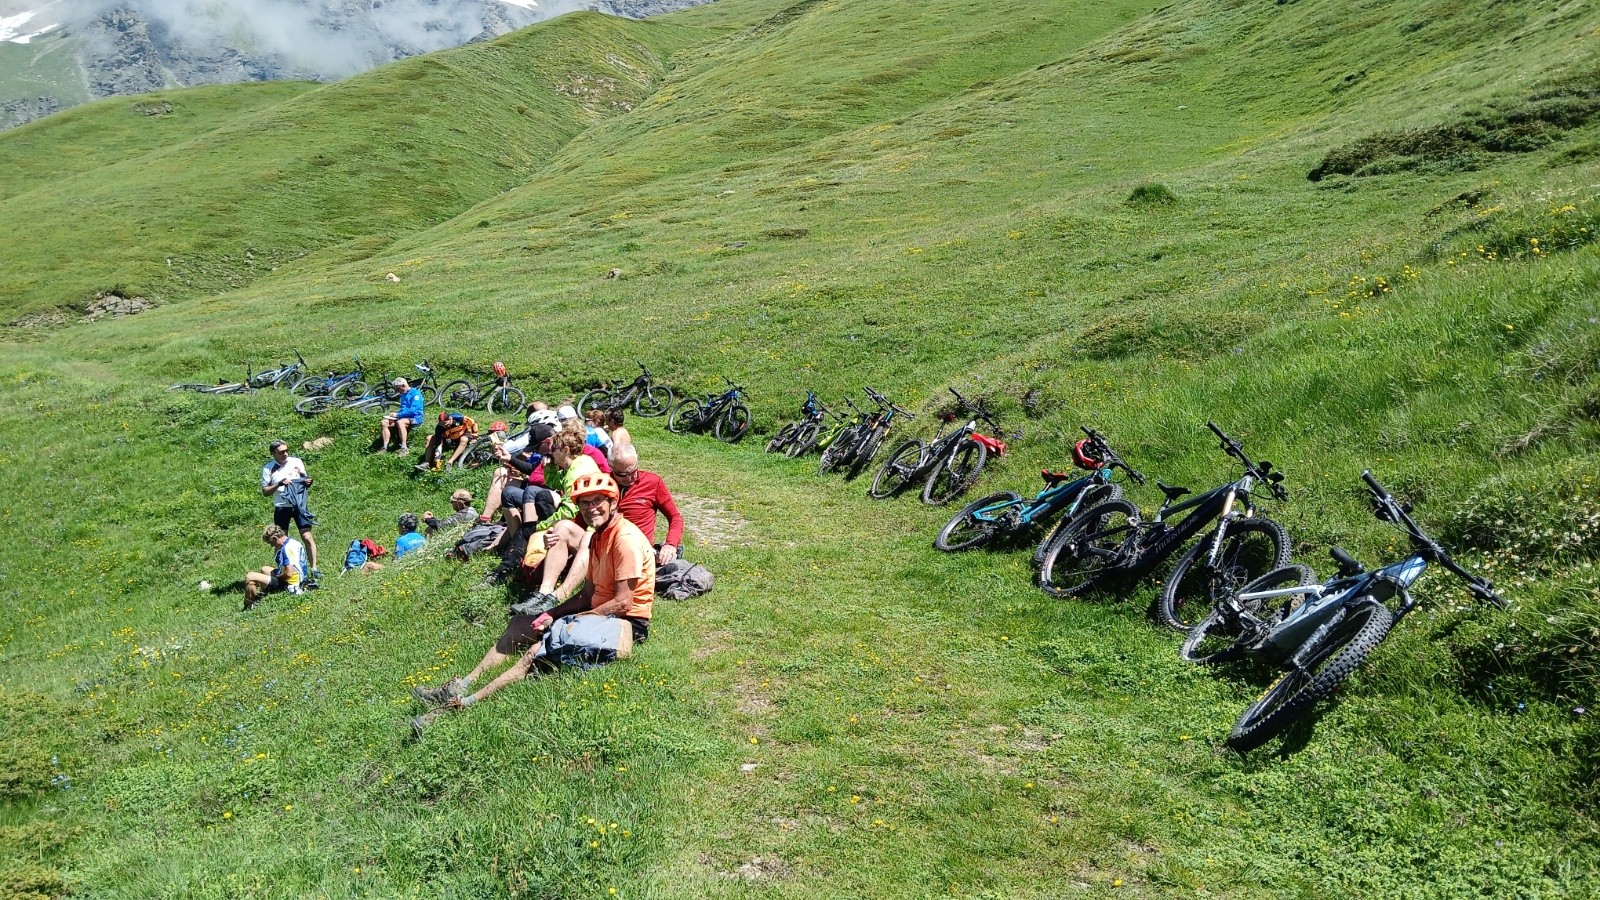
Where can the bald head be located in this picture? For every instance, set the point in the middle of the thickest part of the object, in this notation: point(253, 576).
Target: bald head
point(624, 456)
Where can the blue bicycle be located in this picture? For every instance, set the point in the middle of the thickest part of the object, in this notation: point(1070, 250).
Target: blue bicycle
point(725, 414)
point(1006, 515)
point(1321, 633)
point(332, 385)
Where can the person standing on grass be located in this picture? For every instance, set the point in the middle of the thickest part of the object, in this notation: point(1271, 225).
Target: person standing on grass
point(285, 480)
point(617, 569)
point(288, 572)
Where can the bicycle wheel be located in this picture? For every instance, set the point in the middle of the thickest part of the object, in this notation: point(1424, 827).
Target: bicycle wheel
point(480, 453)
point(685, 416)
point(732, 424)
point(965, 530)
point(458, 395)
point(1250, 549)
point(350, 390)
point(1363, 628)
point(955, 473)
point(838, 450)
point(195, 386)
point(1223, 635)
point(1095, 545)
point(785, 436)
point(653, 401)
point(898, 470)
point(804, 440)
point(430, 394)
point(309, 386)
point(263, 380)
point(506, 400)
point(862, 454)
point(312, 406)
point(598, 398)
point(1093, 496)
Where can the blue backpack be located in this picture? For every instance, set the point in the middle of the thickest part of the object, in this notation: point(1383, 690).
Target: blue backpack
point(356, 556)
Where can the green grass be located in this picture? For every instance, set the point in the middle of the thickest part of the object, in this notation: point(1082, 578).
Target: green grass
point(824, 195)
point(45, 66)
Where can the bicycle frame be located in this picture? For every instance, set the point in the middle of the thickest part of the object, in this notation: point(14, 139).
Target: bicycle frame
point(1063, 495)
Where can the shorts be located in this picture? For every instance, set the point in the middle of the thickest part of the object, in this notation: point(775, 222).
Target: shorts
point(413, 421)
point(518, 496)
point(298, 514)
point(519, 634)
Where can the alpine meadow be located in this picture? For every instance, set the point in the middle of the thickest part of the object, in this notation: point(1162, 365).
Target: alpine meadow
point(1355, 234)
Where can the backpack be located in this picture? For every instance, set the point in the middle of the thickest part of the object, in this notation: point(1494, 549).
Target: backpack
point(681, 580)
point(356, 556)
point(476, 538)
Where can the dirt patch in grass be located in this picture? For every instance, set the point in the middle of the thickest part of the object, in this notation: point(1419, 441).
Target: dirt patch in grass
point(713, 525)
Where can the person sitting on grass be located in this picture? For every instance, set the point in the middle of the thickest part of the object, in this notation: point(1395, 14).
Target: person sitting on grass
point(542, 501)
point(409, 540)
point(594, 431)
point(616, 567)
point(461, 502)
point(407, 417)
point(454, 431)
point(508, 475)
point(288, 572)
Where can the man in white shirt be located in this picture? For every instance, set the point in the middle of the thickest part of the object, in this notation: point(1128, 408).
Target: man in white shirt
point(285, 480)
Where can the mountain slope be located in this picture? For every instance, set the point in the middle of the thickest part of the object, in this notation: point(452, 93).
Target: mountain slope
point(281, 182)
point(1124, 233)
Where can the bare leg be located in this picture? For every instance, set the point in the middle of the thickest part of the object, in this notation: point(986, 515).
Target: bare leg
point(405, 427)
point(383, 441)
point(311, 547)
point(493, 659)
point(565, 539)
point(255, 584)
point(497, 486)
point(512, 675)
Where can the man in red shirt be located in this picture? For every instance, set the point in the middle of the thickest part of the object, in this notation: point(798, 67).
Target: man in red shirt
point(618, 566)
point(644, 497)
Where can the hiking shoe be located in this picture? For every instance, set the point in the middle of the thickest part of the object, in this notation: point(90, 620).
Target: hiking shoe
point(537, 603)
point(403, 450)
point(440, 695)
point(316, 574)
point(422, 467)
point(490, 580)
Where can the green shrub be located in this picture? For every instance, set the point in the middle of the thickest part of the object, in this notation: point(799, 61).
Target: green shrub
point(1152, 193)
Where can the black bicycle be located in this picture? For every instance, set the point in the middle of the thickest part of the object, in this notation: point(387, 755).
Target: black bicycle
point(946, 466)
point(854, 449)
point(1318, 633)
point(648, 398)
point(725, 414)
point(1006, 516)
point(1112, 541)
point(812, 415)
point(493, 392)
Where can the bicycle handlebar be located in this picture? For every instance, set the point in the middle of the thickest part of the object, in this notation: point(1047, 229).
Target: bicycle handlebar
point(1391, 510)
point(1262, 470)
point(1112, 459)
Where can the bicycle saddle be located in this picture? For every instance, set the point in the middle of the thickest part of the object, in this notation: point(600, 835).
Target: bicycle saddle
point(1173, 493)
point(1055, 477)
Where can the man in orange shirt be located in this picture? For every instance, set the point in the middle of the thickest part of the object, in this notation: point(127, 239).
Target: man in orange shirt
point(618, 564)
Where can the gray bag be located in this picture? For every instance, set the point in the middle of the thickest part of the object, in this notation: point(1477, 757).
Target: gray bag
point(476, 538)
point(588, 640)
point(681, 579)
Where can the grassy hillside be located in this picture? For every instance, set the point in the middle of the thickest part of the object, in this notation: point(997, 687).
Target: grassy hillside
point(199, 213)
point(1088, 212)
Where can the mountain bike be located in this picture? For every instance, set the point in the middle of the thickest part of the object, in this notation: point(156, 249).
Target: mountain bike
point(812, 415)
point(481, 451)
point(725, 414)
point(947, 465)
point(1318, 633)
point(648, 398)
point(285, 375)
point(331, 384)
point(494, 393)
point(373, 401)
point(826, 432)
point(853, 455)
point(1112, 540)
point(1007, 516)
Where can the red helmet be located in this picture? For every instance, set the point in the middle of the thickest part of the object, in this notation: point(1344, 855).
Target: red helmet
point(1085, 455)
point(497, 426)
point(444, 416)
point(499, 369)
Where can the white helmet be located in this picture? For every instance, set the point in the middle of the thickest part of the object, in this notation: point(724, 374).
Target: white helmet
point(544, 417)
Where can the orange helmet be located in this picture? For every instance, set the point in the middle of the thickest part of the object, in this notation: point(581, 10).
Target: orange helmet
point(499, 369)
point(598, 483)
point(498, 426)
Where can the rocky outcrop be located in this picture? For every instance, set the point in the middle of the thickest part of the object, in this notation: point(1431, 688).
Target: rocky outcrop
point(21, 112)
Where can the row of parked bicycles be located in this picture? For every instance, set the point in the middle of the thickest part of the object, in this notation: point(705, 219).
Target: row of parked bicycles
point(1233, 592)
point(357, 389)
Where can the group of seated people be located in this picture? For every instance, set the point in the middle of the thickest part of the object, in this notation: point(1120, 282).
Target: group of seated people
point(576, 520)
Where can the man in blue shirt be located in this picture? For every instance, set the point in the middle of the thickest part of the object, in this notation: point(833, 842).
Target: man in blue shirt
point(408, 416)
point(409, 540)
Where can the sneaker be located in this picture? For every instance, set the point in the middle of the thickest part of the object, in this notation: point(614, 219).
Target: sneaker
point(440, 695)
point(312, 585)
point(403, 450)
point(437, 468)
point(490, 580)
point(422, 467)
point(537, 603)
point(316, 574)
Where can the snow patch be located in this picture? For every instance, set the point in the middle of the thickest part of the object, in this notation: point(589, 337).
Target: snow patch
point(525, 4)
point(14, 29)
